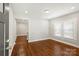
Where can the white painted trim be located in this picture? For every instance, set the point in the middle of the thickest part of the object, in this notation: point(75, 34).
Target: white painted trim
point(11, 48)
point(4, 39)
point(53, 39)
point(65, 42)
point(33, 40)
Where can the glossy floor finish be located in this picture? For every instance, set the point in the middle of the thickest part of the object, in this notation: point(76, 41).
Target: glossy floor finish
point(21, 47)
point(52, 48)
point(46, 47)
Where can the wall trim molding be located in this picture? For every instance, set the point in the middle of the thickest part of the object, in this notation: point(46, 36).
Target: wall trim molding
point(55, 40)
point(11, 48)
point(74, 45)
point(33, 40)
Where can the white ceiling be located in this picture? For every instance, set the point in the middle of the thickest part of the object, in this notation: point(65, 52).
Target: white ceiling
point(36, 10)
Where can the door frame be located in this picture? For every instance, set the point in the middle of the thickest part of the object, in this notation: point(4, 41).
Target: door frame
point(4, 35)
point(25, 23)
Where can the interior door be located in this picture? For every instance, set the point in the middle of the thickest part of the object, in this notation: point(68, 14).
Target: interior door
point(1, 39)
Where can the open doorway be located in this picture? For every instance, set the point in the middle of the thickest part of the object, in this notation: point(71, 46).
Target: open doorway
point(21, 43)
point(22, 29)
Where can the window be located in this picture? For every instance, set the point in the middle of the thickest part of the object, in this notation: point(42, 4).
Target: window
point(57, 29)
point(64, 29)
point(68, 29)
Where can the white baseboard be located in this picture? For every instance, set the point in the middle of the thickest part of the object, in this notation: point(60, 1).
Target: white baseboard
point(33, 40)
point(55, 40)
point(65, 42)
point(11, 48)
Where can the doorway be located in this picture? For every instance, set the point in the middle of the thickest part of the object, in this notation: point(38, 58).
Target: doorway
point(21, 43)
point(22, 28)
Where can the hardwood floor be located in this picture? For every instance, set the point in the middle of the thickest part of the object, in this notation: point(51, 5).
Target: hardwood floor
point(21, 47)
point(52, 48)
point(43, 48)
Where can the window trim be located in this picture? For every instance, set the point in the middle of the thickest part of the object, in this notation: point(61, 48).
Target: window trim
point(62, 29)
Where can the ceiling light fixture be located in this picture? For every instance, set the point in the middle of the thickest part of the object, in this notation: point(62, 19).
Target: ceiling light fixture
point(26, 12)
point(72, 7)
point(46, 11)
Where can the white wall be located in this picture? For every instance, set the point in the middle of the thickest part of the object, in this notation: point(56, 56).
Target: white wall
point(66, 17)
point(38, 29)
point(21, 29)
point(12, 30)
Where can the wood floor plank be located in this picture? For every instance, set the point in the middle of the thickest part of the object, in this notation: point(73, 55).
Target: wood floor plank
point(46, 47)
